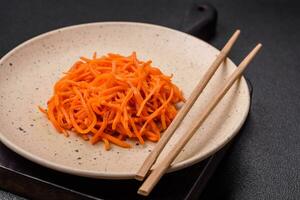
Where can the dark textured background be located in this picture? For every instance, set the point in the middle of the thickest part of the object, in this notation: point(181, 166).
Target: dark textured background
point(264, 161)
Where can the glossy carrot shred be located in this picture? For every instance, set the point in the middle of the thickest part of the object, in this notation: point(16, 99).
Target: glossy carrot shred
point(113, 98)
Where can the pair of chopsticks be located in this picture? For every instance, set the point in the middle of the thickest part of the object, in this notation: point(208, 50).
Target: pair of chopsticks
point(162, 167)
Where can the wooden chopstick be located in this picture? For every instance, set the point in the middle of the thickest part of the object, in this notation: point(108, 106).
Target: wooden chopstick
point(151, 158)
point(157, 173)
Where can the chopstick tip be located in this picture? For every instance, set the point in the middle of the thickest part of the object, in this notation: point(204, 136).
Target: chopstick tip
point(139, 177)
point(258, 46)
point(142, 192)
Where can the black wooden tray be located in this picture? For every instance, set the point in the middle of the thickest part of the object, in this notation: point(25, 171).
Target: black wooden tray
point(33, 181)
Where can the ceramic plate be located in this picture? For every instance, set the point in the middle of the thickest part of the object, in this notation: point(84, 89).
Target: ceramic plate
point(28, 72)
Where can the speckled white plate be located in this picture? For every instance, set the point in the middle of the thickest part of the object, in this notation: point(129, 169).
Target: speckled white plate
point(28, 72)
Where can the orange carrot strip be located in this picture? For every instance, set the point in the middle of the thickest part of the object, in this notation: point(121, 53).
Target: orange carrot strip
point(116, 141)
point(96, 137)
point(42, 110)
point(106, 144)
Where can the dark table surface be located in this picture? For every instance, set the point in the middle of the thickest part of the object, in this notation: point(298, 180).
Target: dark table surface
point(264, 160)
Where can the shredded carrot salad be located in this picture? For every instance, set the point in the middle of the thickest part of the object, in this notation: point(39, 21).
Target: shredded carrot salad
point(112, 98)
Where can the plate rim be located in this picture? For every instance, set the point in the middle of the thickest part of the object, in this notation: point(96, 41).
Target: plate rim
point(102, 175)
